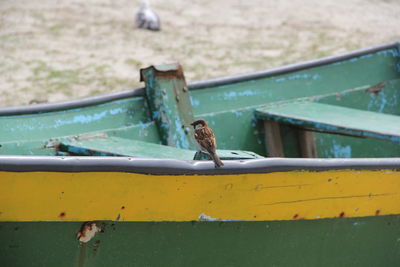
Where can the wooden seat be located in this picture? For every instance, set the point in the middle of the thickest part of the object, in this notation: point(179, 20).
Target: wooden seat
point(312, 116)
point(104, 145)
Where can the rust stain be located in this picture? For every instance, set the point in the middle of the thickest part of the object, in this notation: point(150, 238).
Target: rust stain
point(377, 212)
point(62, 215)
point(174, 71)
point(342, 214)
point(375, 89)
point(296, 216)
point(96, 247)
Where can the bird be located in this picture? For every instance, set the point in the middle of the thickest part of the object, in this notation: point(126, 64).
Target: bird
point(146, 18)
point(206, 140)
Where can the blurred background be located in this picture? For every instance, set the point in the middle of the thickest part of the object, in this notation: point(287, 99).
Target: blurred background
point(60, 50)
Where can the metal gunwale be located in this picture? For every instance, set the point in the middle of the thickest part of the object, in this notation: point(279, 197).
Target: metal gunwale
point(185, 167)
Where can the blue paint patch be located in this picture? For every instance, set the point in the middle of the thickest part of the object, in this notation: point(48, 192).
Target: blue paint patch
point(383, 101)
point(230, 95)
point(298, 77)
point(85, 119)
point(398, 67)
point(280, 80)
point(316, 77)
point(194, 102)
point(392, 52)
point(238, 113)
point(180, 136)
point(247, 93)
point(352, 60)
point(155, 115)
point(378, 102)
point(340, 151)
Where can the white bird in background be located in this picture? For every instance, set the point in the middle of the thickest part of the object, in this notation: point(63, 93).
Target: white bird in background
point(147, 18)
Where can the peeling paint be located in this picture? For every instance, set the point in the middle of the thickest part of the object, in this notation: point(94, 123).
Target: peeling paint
point(87, 232)
point(205, 218)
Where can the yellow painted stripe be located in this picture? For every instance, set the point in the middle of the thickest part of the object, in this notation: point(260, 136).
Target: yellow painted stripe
point(52, 196)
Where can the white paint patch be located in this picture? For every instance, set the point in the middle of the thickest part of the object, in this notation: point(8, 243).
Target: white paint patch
point(205, 218)
point(87, 232)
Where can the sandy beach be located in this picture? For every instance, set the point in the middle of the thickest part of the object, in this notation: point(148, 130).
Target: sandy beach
point(59, 50)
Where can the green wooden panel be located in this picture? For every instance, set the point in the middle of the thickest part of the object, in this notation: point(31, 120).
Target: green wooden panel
point(341, 146)
point(114, 146)
point(116, 114)
point(230, 107)
point(387, 100)
point(334, 119)
point(359, 71)
point(141, 132)
point(366, 241)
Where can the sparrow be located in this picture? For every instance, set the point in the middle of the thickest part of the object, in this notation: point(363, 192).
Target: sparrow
point(206, 140)
point(146, 18)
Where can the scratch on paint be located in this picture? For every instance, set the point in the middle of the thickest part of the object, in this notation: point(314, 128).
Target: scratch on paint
point(259, 187)
point(326, 198)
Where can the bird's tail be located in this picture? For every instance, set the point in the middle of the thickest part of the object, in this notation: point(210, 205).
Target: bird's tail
point(217, 161)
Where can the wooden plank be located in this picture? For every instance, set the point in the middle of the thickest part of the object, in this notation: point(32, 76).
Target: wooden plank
point(307, 144)
point(168, 97)
point(273, 139)
point(114, 146)
point(334, 119)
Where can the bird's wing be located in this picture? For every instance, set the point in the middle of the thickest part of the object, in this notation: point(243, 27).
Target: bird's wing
point(206, 139)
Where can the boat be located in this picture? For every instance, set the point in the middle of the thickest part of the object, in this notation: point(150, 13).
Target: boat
point(311, 173)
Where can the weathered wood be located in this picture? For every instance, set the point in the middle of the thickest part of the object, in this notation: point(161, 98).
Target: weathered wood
point(168, 98)
point(334, 119)
point(307, 144)
point(273, 139)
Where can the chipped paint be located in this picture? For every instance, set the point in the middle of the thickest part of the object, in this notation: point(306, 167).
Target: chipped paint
point(87, 232)
point(205, 218)
point(235, 95)
point(298, 77)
